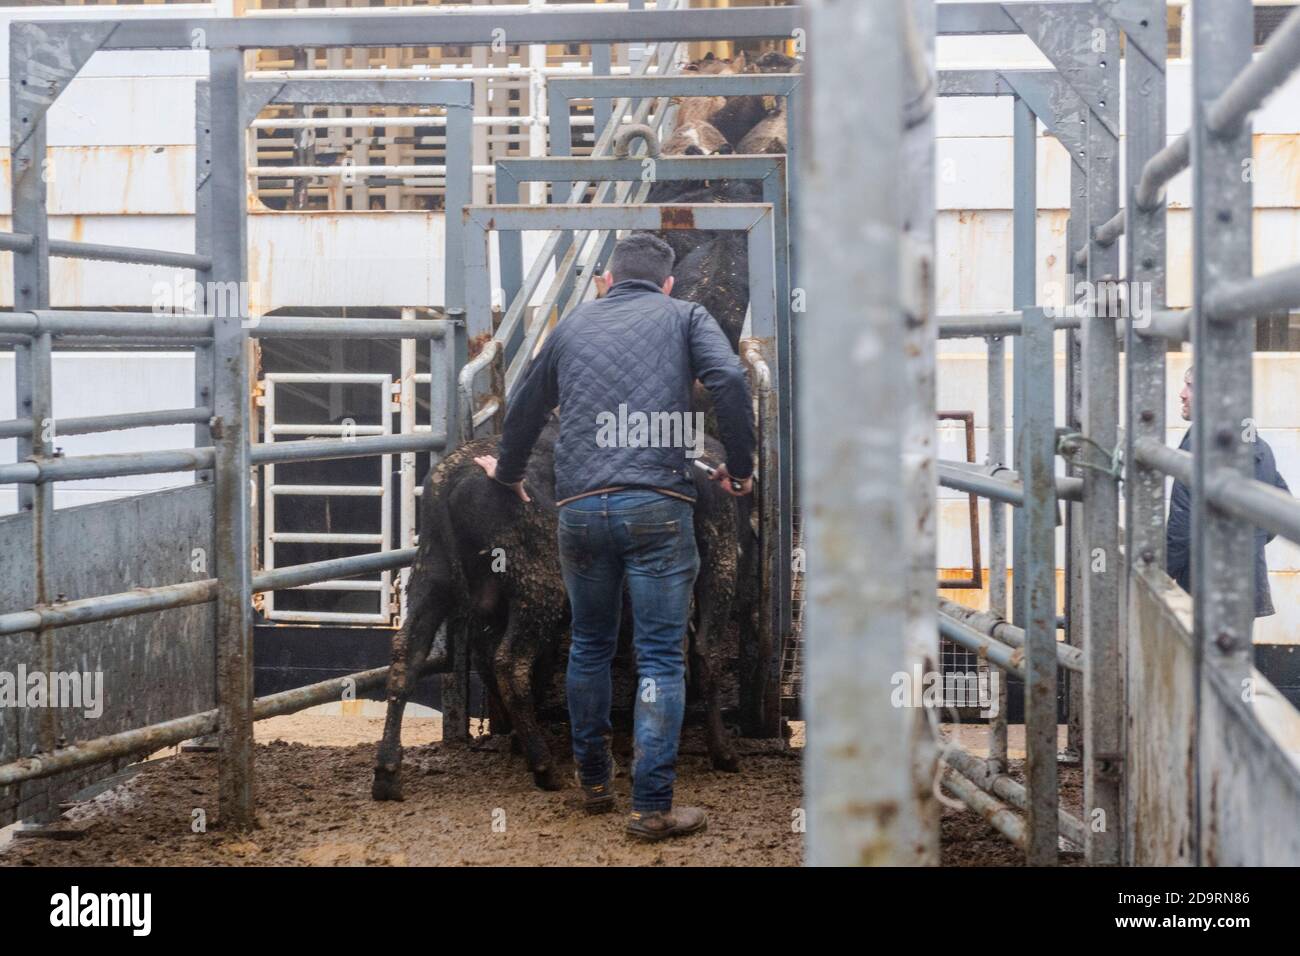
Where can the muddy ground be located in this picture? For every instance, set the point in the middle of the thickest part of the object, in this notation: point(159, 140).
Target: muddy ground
point(464, 806)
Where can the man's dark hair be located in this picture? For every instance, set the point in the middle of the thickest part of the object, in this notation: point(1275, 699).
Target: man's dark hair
point(642, 255)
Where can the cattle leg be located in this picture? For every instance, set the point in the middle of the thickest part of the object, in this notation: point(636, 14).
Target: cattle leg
point(713, 602)
point(411, 648)
point(513, 665)
point(498, 716)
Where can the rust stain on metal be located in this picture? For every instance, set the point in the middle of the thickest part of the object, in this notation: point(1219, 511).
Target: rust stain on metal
point(676, 217)
point(477, 343)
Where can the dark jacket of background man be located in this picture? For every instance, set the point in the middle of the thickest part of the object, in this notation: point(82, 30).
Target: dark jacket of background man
point(1178, 531)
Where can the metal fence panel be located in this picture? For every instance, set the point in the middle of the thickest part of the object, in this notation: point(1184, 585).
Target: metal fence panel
point(154, 666)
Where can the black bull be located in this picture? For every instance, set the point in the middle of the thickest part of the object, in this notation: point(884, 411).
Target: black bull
point(515, 615)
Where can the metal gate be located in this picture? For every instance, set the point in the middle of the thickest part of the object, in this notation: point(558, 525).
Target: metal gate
point(272, 490)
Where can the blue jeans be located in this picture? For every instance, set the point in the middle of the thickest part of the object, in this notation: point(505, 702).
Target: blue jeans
point(647, 539)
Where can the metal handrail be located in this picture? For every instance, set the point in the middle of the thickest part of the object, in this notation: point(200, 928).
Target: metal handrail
point(663, 54)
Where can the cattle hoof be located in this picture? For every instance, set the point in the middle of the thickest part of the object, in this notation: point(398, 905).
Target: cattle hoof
point(726, 762)
point(387, 785)
point(548, 779)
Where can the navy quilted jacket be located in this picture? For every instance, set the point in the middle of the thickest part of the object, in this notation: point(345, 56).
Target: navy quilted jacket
point(1178, 530)
point(621, 370)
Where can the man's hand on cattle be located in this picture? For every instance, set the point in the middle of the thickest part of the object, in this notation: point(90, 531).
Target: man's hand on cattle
point(720, 474)
point(489, 464)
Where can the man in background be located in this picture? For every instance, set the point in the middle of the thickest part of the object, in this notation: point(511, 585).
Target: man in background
point(1178, 530)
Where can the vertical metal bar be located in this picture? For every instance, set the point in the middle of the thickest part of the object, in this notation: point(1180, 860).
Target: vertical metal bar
point(536, 99)
point(203, 246)
point(269, 419)
point(1103, 714)
point(43, 431)
point(510, 250)
point(557, 107)
point(407, 486)
point(918, 415)
point(561, 136)
point(447, 358)
point(997, 455)
point(386, 498)
point(31, 266)
point(1034, 572)
point(1038, 472)
point(1024, 252)
point(776, 510)
point(1076, 555)
point(33, 364)
point(230, 408)
point(481, 151)
point(635, 51)
point(1144, 492)
point(858, 773)
point(1223, 585)
point(460, 185)
point(478, 298)
point(601, 109)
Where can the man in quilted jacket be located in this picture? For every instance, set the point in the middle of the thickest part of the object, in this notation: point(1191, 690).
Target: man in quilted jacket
point(621, 369)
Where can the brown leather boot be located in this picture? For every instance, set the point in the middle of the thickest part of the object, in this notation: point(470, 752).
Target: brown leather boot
point(661, 825)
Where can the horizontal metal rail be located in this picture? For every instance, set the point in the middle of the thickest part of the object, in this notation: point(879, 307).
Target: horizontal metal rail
point(1010, 659)
point(198, 459)
point(296, 327)
point(991, 625)
point(67, 249)
point(1259, 295)
point(298, 575)
point(1275, 63)
point(143, 600)
point(118, 343)
point(1172, 324)
point(1160, 169)
point(80, 467)
point(998, 815)
point(106, 606)
point(983, 324)
point(1110, 230)
point(331, 449)
point(1171, 461)
point(738, 216)
point(342, 491)
point(156, 736)
point(16, 241)
point(995, 783)
point(1279, 58)
point(79, 322)
point(94, 424)
point(998, 483)
point(523, 26)
point(1156, 174)
point(1264, 506)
